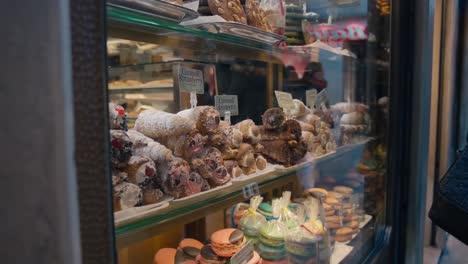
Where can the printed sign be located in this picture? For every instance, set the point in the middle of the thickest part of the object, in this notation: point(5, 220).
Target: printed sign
point(334, 34)
point(285, 100)
point(190, 80)
point(250, 190)
point(244, 255)
point(321, 99)
point(224, 103)
point(310, 97)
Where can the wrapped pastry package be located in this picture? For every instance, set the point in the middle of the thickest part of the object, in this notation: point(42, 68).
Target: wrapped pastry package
point(251, 222)
point(288, 218)
point(274, 228)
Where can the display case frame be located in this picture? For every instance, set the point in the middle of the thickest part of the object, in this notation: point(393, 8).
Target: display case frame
point(117, 30)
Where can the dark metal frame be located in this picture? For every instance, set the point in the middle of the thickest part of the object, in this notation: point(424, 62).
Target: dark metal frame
point(88, 27)
point(92, 148)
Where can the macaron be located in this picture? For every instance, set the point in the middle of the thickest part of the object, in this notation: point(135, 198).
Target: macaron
point(336, 195)
point(208, 256)
point(344, 234)
point(317, 192)
point(169, 256)
point(345, 191)
point(271, 253)
point(190, 247)
point(333, 219)
point(266, 210)
point(332, 201)
point(272, 234)
point(303, 241)
point(330, 212)
point(227, 242)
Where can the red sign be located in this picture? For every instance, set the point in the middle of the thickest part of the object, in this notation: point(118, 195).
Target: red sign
point(334, 33)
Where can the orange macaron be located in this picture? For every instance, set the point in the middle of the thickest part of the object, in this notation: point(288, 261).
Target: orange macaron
point(227, 242)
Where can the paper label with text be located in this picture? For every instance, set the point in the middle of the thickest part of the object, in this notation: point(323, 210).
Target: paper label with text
point(285, 100)
point(191, 80)
point(224, 103)
point(244, 255)
point(322, 98)
point(310, 97)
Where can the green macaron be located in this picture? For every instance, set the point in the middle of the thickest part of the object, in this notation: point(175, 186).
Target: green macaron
point(271, 253)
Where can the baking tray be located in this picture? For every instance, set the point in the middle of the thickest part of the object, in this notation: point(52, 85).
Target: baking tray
point(156, 8)
point(240, 30)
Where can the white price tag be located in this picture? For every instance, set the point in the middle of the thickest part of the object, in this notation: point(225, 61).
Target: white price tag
point(310, 97)
point(250, 190)
point(224, 103)
point(190, 80)
point(193, 100)
point(322, 98)
point(244, 255)
point(285, 100)
point(227, 117)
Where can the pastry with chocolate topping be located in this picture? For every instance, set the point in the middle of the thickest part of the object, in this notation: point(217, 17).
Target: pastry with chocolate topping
point(273, 118)
point(209, 163)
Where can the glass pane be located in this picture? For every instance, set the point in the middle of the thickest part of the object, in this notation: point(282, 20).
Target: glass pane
point(231, 143)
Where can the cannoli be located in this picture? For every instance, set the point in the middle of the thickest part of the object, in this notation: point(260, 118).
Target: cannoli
point(273, 118)
point(128, 195)
point(260, 162)
point(246, 156)
point(284, 152)
point(117, 117)
point(174, 176)
point(121, 148)
point(151, 196)
point(141, 171)
point(250, 131)
point(209, 164)
point(206, 118)
point(145, 146)
point(233, 168)
point(160, 125)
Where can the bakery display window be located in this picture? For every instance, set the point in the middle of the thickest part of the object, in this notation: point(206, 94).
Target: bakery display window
point(248, 131)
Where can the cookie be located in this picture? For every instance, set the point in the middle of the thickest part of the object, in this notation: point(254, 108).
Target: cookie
point(231, 10)
point(256, 16)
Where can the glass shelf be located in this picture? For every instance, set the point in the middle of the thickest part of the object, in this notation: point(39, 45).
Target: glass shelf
point(144, 226)
point(127, 24)
point(138, 90)
point(147, 65)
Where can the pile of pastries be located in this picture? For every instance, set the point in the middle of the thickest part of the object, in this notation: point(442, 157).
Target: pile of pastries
point(316, 133)
point(223, 245)
point(278, 232)
point(353, 120)
point(341, 214)
point(244, 11)
point(182, 154)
